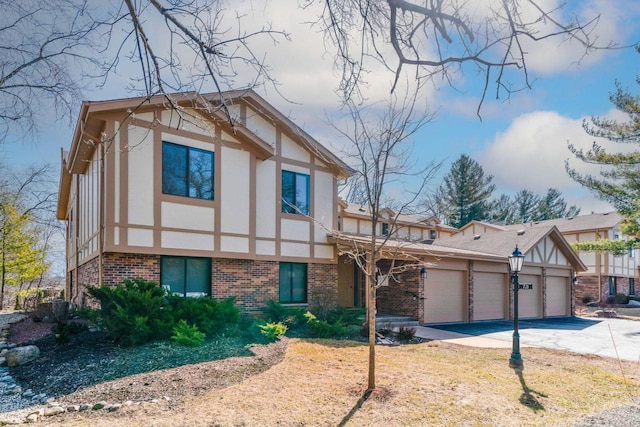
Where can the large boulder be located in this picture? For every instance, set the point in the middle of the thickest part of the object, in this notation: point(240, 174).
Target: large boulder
point(21, 355)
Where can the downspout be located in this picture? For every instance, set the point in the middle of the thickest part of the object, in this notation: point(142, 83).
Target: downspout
point(76, 235)
point(101, 206)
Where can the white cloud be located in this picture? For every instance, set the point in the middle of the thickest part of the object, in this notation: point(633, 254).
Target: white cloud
point(531, 153)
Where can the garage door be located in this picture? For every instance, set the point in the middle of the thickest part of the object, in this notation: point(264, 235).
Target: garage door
point(489, 296)
point(445, 294)
point(530, 299)
point(557, 296)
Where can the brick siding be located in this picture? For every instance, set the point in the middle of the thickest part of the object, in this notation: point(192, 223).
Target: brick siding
point(402, 296)
point(252, 283)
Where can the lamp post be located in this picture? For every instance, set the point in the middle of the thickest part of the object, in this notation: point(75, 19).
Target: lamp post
point(515, 265)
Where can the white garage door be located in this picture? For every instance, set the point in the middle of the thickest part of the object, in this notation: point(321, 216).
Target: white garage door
point(489, 296)
point(530, 299)
point(445, 294)
point(557, 296)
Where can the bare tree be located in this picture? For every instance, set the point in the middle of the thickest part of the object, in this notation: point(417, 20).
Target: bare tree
point(52, 51)
point(378, 149)
point(438, 37)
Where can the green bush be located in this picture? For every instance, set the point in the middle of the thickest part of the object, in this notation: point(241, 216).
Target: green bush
point(290, 316)
point(272, 331)
point(137, 311)
point(132, 311)
point(622, 299)
point(323, 329)
point(186, 335)
point(209, 315)
point(63, 331)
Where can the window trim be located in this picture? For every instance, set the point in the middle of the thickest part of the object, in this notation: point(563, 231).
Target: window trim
point(189, 149)
point(186, 274)
point(295, 209)
point(306, 283)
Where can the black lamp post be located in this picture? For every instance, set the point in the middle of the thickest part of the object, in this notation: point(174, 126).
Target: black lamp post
point(515, 265)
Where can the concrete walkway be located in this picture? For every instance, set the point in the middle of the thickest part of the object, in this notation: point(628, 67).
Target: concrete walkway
point(461, 339)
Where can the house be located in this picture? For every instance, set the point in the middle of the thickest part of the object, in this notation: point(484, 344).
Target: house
point(165, 189)
point(607, 274)
point(460, 277)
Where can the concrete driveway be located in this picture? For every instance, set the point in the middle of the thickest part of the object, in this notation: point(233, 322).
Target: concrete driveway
point(577, 334)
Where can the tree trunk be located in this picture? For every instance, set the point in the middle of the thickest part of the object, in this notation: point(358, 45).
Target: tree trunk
point(371, 318)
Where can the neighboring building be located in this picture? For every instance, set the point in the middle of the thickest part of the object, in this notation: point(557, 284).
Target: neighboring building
point(460, 278)
point(607, 274)
point(179, 197)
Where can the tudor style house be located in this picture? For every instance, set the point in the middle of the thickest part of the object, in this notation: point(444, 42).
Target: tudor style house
point(166, 189)
point(607, 274)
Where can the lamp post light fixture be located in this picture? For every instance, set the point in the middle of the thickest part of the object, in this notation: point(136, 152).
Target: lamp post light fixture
point(515, 265)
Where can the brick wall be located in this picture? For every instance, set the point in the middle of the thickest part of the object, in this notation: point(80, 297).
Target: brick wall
point(252, 283)
point(402, 296)
point(587, 287)
point(86, 275)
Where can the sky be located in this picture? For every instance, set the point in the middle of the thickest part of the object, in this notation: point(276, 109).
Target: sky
point(522, 141)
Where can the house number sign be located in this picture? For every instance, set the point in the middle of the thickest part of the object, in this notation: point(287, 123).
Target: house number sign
point(526, 286)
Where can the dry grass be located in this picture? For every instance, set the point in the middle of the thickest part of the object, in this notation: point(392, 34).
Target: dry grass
point(320, 383)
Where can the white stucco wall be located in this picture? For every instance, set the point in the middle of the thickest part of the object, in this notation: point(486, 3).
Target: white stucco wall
point(266, 203)
point(141, 179)
point(177, 215)
point(234, 191)
point(261, 127)
point(323, 205)
point(291, 150)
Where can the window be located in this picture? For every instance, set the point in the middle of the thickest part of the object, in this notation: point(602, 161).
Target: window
point(632, 286)
point(187, 171)
point(385, 229)
point(613, 286)
point(295, 192)
point(190, 277)
point(432, 234)
point(293, 282)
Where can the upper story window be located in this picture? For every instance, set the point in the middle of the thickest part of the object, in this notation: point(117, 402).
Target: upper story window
point(187, 171)
point(432, 234)
point(295, 192)
point(385, 229)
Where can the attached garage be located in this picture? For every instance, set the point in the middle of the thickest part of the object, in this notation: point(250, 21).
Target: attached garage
point(558, 296)
point(530, 300)
point(445, 293)
point(490, 299)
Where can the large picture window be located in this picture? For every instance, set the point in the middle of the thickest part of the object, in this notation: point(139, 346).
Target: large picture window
point(189, 277)
point(295, 192)
point(187, 171)
point(293, 282)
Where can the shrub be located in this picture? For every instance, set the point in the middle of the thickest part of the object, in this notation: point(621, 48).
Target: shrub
point(290, 316)
point(346, 316)
point(323, 329)
point(272, 331)
point(587, 299)
point(209, 315)
point(621, 299)
point(406, 333)
point(186, 335)
point(64, 330)
point(132, 311)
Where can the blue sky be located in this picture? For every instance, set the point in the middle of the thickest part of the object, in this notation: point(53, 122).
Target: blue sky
point(521, 142)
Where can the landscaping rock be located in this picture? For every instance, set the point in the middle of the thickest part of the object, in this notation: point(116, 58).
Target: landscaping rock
point(99, 405)
point(634, 303)
point(53, 410)
point(73, 408)
point(32, 418)
point(605, 313)
point(114, 407)
point(21, 355)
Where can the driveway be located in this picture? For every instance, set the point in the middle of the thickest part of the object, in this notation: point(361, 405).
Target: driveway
point(602, 337)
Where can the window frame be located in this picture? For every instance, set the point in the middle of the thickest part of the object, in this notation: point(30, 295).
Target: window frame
point(185, 277)
point(632, 286)
point(613, 286)
point(187, 172)
point(289, 265)
point(293, 207)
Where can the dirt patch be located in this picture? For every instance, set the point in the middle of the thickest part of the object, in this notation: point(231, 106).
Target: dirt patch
point(27, 331)
point(91, 368)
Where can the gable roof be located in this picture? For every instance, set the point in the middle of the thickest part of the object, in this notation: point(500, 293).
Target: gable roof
point(595, 221)
point(502, 242)
point(93, 115)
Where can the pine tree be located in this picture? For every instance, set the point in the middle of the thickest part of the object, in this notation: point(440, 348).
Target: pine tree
point(619, 180)
point(465, 193)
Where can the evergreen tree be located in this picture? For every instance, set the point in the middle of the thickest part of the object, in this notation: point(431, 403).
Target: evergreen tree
point(465, 193)
point(554, 206)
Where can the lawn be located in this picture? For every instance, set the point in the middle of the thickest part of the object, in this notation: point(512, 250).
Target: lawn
point(321, 383)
